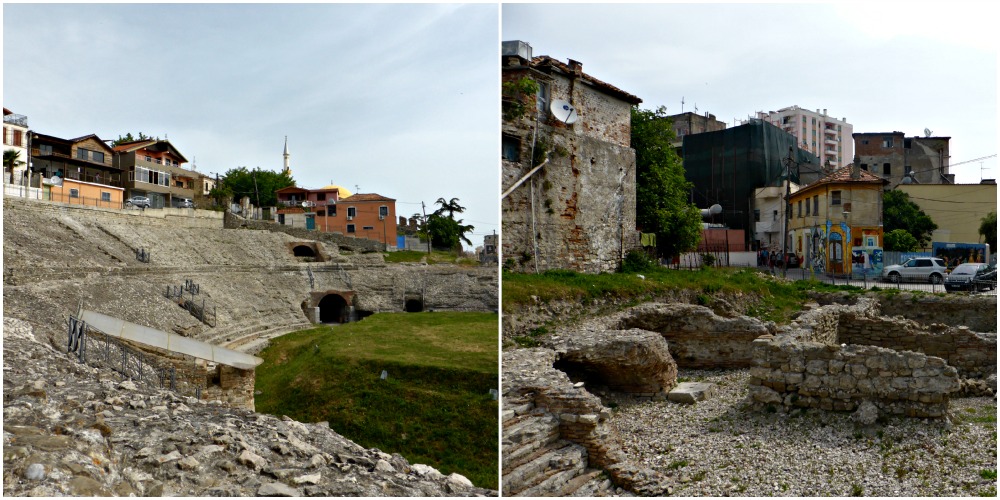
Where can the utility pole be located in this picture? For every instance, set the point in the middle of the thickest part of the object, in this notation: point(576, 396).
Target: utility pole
point(426, 232)
point(787, 211)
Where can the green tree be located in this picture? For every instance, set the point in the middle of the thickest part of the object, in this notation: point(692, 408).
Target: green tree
point(661, 191)
point(516, 97)
point(988, 228)
point(900, 240)
point(11, 159)
point(260, 185)
point(445, 231)
point(898, 212)
point(122, 139)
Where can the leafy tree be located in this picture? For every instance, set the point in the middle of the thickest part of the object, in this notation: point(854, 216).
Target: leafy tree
point(446, 232)
point(516, 95)
point(450, 206)
point(661, 191)
point(129, 138)
point(898, 212)
point(988, 228)
point(11, 159)
point(260, 185)
point(900, 240)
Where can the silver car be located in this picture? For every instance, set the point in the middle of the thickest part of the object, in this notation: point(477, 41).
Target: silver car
point(930, 269)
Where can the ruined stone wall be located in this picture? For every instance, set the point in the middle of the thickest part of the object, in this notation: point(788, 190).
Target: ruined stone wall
point(532, 384)
point(831, 377)
point(979, 313)
point(973, 354)
point(172, 217)
point(584, 206)
point(698, 337)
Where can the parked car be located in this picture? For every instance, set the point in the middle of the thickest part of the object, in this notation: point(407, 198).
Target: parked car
point(930, 269)
point(185, 203)
point(137, 201)
point(967, 277)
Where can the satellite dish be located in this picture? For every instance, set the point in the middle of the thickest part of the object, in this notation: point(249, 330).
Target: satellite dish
point(564, 111)
point(307, 203)
point(928, 132)
point(714, 209)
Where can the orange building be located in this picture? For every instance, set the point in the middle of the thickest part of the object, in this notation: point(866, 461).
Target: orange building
point(90, 194)
point(368, 215)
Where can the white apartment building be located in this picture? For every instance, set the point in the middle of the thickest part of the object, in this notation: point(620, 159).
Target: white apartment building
point(767, 215)
point(15, 136)
point(826, 137)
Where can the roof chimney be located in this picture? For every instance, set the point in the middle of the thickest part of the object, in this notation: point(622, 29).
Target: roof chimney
point(855, 171)
point(576, 66)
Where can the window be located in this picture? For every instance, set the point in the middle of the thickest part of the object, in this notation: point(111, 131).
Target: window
point(887, 142)
point(206, 188)
point(105, 196)
point(353, 212)
point(148, 158)
point(74, 193)
point(321, 213)
point(159, 161)
point(350, 227)
point(18, 135)
point(320, 196)
point(97, 156)
point(756, 215)
point(542, 98)
point(808, 206)
point(368, 228)
point(803, 121)
point(886, 169)
point(847, 207)
point(835, 197)
point(775, 215)
point(383, 211)
point(5, 136)
point(178, 184)
point(511, 150)
point(81, 153)
point(332, 210)
point(45, 149)
point(864, 166)
point(816, 205)
point(864, 141)
point(800, 209)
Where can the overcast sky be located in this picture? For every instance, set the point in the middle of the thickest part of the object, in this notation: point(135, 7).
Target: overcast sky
point(399, 100)
point(884, 67)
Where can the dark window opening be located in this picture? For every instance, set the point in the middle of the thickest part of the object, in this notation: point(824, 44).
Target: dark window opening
point(511, 148)
point(303, 251)
point(886, 169)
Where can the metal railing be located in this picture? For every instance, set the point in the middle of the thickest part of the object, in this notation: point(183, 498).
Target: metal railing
point(184, 296)
point(93, 348)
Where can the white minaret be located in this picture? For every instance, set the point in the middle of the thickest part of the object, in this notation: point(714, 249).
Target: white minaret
point(286, 155)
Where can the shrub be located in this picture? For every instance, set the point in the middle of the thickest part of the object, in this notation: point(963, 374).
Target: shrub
point(637, 261)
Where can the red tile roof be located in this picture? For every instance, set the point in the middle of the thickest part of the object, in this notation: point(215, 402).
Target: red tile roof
point(366, 197)
point(607, 87)
point(843, 174)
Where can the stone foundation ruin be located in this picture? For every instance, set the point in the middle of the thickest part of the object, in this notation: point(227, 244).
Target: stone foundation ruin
point(838, 356)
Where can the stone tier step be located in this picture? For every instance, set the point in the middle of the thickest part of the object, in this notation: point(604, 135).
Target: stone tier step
point(550, 471)
point(524, 436)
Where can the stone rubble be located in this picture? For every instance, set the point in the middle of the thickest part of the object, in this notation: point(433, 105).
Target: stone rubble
point(70, 429)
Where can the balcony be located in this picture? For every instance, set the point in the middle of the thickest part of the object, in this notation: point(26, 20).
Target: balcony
point(831, 141)
point(15, 119)
point(830, 152)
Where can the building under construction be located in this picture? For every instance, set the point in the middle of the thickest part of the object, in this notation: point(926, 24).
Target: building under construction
point(726, 166)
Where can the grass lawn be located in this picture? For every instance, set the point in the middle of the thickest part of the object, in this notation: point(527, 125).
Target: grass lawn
point(435, 257)
point(434, 407)
point(777, 299)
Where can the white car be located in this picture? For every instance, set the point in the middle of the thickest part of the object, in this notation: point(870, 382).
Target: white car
point(930, 269)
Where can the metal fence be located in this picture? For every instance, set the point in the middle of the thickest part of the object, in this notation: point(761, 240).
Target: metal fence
point(93, 348)
point(978, 287)
point(184, 296)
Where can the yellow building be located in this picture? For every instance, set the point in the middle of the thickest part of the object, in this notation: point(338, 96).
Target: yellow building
point(957, 209)
point(835, 223)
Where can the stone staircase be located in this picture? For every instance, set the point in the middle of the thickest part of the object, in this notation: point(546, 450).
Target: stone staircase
point(537, 462)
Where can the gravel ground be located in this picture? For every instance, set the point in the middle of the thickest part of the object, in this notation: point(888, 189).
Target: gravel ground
point(720, 448)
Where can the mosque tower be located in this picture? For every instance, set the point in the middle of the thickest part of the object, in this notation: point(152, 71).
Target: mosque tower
point(287, 169)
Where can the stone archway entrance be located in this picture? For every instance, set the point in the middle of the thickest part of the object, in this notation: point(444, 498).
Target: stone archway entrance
point(333, 309)
point(413, 306)
point(303, 251)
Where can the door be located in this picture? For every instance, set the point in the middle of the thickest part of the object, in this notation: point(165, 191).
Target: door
point(310, 222)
